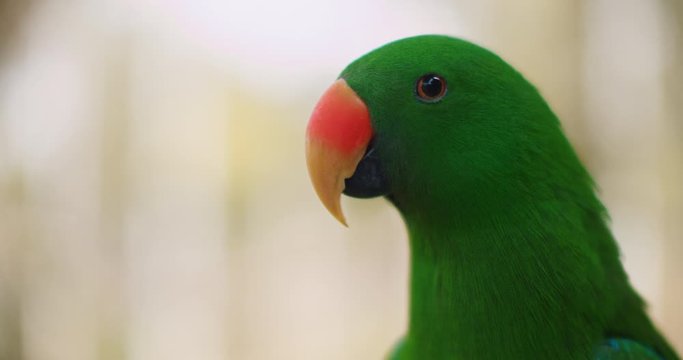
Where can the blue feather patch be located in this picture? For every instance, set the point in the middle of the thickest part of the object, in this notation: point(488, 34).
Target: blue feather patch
point(624, 349)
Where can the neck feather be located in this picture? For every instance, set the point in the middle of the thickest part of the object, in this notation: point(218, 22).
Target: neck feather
point(523, 269)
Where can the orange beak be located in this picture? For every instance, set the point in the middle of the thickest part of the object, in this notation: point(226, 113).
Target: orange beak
point(337, 136)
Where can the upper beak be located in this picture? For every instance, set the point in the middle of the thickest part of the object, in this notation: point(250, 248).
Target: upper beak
point(337, 136)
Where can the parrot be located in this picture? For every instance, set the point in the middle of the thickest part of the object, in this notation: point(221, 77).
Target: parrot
point(511, 254)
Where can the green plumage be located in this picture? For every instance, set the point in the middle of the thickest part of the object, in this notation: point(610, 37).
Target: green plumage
point(511, 257)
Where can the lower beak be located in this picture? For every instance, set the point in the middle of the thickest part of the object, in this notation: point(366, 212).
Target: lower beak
point(337, 136)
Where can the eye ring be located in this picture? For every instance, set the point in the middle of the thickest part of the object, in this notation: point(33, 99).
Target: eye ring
point(430, 88)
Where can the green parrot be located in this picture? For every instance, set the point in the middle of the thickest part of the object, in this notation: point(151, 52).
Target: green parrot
point(510, 253)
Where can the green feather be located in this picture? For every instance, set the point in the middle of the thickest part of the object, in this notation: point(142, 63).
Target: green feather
point(511, 256)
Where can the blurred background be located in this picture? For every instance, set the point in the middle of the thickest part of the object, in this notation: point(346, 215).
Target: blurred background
point(154, 202)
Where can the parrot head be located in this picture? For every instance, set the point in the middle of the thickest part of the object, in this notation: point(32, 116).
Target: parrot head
point(433, 122)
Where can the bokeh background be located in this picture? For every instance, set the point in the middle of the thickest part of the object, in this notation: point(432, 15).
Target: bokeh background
point(154, 202)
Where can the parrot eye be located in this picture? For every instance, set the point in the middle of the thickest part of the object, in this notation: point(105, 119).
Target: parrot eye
point(430, 88)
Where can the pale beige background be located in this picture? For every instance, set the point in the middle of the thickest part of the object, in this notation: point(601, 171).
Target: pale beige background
point(154, 202)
